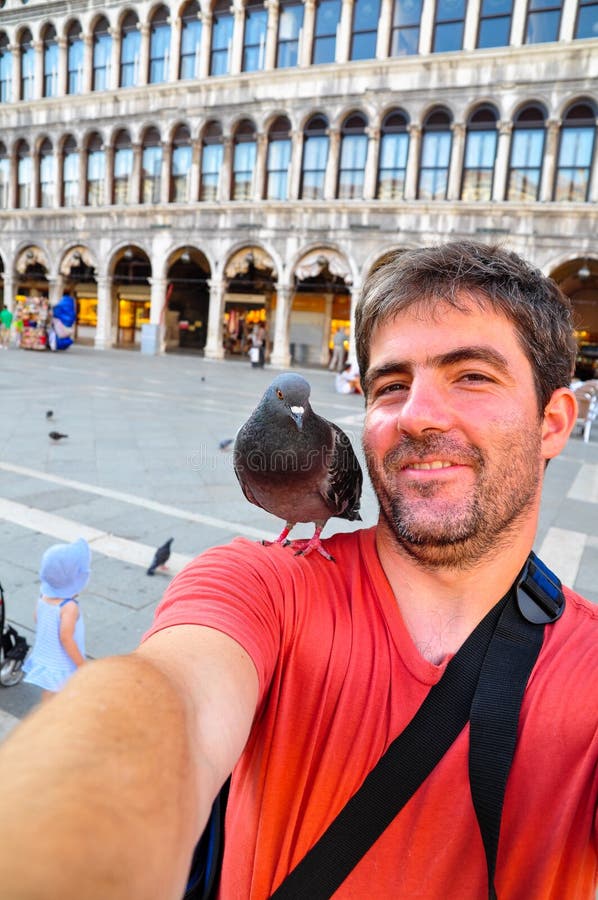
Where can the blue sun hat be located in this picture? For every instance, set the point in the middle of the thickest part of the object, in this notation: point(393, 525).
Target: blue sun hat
point(64, 569)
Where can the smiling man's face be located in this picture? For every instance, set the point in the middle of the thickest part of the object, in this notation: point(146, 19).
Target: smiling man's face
point(452, 437)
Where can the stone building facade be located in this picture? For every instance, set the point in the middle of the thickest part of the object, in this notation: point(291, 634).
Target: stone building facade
point(200, 168)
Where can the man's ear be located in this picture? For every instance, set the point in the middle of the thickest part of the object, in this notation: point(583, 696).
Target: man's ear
point(560, 415)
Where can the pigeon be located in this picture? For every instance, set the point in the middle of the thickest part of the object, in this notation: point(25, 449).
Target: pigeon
point(57, 436)
point(49, 414)
point(296, 464)
point(161, 556)
point(223, 445)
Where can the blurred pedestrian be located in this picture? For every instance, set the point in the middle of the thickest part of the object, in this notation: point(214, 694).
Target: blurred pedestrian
point(5, 325)
point(338, 351)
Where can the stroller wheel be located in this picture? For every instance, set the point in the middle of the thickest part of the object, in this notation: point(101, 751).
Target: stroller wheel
point(11, 672)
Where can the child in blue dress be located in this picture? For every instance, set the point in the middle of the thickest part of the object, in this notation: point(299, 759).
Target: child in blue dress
point(59, 647)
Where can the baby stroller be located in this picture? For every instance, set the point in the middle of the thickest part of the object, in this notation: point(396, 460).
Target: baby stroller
point(13, 650)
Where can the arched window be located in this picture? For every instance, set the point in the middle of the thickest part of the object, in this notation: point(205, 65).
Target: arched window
point(102, 53)
point(480, 155)
point(222, 38)
point(315, 158)
point(290, 22)
point(130, 45)
point(190, 41)
point(23, 157)
point(254, 37)
point(354, 150)
point(527, 153)
point(279, 159)
point(74, 59)
point(404, 35)
point(5, 69)
point(328, 16)
point(449, 25)
point(159, 60)
point(96, 171)
point(4, 177)
point(576, 152)
point(366, 14)
point(435, 156)
point(151, 167)
point(47, 175)
point(543, 21)
point(50, 51)
point(243, 161)
point(27, 65)
point(495, 23)
point(123, 168)
point(394, 146)
point(587, 19)
point(70, 173)
point(180, 172)
point(211, 161)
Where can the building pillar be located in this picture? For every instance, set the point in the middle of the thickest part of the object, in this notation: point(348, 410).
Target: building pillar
point(82, 176)
point(568, 19)
point(226, 172)
point(109, 175)
point(35, 176)
point(355, 295)
point(271, 33)
point(281, 351)
point(9, 290)
point(426, 28)
point(331, 176)
point(135, 186)
point(384, 28)
point(165, 172)
point(114, 75)
point(295, 166)
point(307, 33)
point(175, 48)
point(343, 43)
point(38, 83)
point(325, 351)
point(214, 348)
point(371, 163)
point(456, 161)
point(501, 166)
point(195, 170)
point(553, 127)
point(103, 338)
point(58, 183)
point(55, 288)
point(415, 137)
point(236, 55)
point(142, 75)
point(205, 44)
point(62, 67)
point(87, 63)
point(470, 31)
point(518, 22)
point(157, 299)
point(593, 192)
point(259, 183)
point(15, 49)
point(13, 180)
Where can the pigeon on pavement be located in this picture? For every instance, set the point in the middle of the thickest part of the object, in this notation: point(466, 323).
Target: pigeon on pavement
point(49, 414)
point(57, 436)
point(223, 445)
point(296, 464)
point(161, 556)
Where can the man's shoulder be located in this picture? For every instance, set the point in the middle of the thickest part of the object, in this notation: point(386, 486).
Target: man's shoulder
point(576, 632)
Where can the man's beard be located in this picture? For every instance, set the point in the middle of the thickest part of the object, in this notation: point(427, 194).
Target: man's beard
point(457, 533)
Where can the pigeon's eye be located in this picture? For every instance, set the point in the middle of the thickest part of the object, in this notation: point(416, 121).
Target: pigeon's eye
point(280, 394)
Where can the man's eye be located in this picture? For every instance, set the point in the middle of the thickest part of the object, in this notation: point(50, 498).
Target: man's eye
point(475, 376)
point(391, 388)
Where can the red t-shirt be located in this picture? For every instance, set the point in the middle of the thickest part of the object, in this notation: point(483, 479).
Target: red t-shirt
point(339, 678)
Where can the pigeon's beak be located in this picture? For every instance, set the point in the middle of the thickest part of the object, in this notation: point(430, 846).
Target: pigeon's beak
point(297, 414)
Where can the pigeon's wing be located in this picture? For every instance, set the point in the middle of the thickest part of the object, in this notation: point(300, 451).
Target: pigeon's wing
point(344, 479)
point(238, 469)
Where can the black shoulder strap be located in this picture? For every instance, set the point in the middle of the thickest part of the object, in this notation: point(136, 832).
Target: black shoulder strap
point(441, 717)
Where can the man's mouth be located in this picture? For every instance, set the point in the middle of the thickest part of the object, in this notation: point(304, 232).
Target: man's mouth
point(434, 464)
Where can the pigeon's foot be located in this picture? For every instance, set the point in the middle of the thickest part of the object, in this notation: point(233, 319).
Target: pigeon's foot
point(282, 537)
point(305, 547)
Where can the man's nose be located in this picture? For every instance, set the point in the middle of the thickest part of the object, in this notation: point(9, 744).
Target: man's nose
point(426, 407)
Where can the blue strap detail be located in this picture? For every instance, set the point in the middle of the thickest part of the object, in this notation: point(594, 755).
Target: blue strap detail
point(67, 600)
point(539, 593)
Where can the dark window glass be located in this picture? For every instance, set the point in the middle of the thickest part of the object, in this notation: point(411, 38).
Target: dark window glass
point(129, 52)
point(222, 37)
point(5, 70)
point(289, 28)
point(576, 152)
point(96, 171)
point(279, 160)
point(190, 42)
point(181, 166)
point(354, 149)
point(27, 66)
point(159, 61)
point(47, 175)
point(254, 38)
point(527, 153)
point(328, 14)
point(543, 21)
point(448, 26)
point(587, 19)
point(243, 161)
point(495, 23)
point(480, 155)
point(74, 60)
point(404, 37)
point(392, 165)
point(70, 173)
point(102, 54)
point(50, 63)
point(24, 180)
point(315, 157)
point(211, 162)
point(366, 14)
point(435, 157)
point(123, 168)
point(151, 167)
point(4, 177)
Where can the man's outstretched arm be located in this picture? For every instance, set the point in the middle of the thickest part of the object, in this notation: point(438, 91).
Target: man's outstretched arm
point(106, 787)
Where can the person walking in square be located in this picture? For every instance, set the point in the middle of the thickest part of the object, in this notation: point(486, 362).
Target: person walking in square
point(338, 351)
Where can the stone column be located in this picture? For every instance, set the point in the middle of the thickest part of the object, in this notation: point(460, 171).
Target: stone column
point(355, 295)
point(307, 34)
point(135, 186)
point(175, 48)
point(165, 172)
point(104, 337)
point(205, 45)
point(34, 175)
point(109, 175)
point(142, 75)
point(568, 18)
point(501, 166)
point(13, 180)
point(325, 350)
point(58, 184)
point(343, 43)
point(271, 33)
point(62, 67)
point(214, 348)
point(549, 161)
point(87, 63)
point(236, 54)
point(15, 49)
point(259, 182)
point(157, 299)
point(593, 192)
point(195, 170)
point(55, 288)
point(38, 83)
point(518, 22)
point(9, 290)
point(281, 351)
point(331, 177)
point(114, 78)
point(413, 154)
point(456, 161)
point(470, 32)
point(295, 168)
point(371, 164)
point(226, 172)
point(426, 28)
point(384, 27)
point(82, 175)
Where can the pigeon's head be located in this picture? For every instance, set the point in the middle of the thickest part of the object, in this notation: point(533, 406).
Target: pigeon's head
point(288, 396)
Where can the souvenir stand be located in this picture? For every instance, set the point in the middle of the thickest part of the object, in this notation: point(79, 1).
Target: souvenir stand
point(35, 315)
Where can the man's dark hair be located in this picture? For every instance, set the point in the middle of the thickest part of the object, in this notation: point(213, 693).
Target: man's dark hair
point(462, 272)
